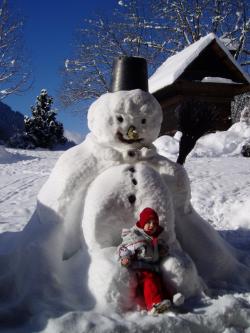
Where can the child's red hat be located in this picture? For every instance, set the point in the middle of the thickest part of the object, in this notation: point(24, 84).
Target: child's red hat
point(146, 215)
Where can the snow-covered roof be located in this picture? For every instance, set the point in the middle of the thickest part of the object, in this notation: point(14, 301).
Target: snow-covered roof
point(174, 66)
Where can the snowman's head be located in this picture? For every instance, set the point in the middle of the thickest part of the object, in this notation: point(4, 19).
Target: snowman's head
point(125, 118)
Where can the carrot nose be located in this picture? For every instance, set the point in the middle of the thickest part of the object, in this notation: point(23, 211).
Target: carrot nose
point(132, 133)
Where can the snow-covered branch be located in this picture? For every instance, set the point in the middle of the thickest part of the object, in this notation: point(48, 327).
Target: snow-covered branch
point(15, 72)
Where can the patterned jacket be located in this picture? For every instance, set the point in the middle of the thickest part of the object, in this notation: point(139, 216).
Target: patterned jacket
point(142, 249)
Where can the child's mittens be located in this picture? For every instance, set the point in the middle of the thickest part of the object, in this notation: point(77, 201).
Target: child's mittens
point(125, 261)
point(124, 255)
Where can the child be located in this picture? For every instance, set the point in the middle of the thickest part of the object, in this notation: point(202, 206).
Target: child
point(142, 251)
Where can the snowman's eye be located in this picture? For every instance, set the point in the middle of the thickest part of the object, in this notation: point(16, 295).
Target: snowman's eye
point(143, 121)
point(120, 119)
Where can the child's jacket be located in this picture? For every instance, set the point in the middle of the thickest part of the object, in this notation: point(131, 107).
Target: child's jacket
point(141, 248)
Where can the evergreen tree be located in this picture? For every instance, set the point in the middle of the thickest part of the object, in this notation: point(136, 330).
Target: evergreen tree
point(42, 127)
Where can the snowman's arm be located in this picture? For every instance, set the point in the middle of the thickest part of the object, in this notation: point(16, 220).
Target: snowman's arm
point(176, 179)
point(183, 189)
point(74, 169)
point(61, 199)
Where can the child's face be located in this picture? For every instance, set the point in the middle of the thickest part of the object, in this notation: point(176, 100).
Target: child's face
point(150, 227)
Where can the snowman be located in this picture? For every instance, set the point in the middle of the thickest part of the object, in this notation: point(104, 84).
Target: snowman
point(99, 187)
point(66, 254)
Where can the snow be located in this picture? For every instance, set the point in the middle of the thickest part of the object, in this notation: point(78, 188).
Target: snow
point(220, 193)
point(175, 65)
point(231, 44)
point(218, 80)
point(220, 143)
point(245, 115)
point(66, 64)
point(73, 136)
point(69, 283)
point(23, 172)
point(3, 91)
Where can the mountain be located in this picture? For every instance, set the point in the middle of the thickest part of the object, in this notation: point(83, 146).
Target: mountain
point(10, 122)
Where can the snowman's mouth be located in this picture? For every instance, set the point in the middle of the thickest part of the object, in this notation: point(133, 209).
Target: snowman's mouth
point(129, 141)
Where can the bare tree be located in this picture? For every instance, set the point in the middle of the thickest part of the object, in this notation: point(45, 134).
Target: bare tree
point(186, 21)
point(126, 32)
point(152, 29)
point(14, 68)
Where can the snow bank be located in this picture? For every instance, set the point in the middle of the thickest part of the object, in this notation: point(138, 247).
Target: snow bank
point(239, 215)
point(7, 157)
point(221, 143)
point(227, 314)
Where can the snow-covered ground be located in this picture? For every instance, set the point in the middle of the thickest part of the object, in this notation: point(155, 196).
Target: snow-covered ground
point(220, 182)
point(22, 173)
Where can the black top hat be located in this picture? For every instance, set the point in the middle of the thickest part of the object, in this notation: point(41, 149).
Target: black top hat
point(129, 73)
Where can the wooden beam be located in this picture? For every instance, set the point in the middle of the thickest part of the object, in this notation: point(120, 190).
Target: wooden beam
point(209, 89)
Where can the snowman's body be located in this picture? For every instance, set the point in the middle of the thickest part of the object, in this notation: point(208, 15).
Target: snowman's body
point(67, 186)
point(126, 190)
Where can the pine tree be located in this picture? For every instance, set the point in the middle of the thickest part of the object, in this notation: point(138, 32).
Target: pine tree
point(42, 127)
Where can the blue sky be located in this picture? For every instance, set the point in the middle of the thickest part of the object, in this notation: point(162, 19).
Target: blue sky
point(49, 29)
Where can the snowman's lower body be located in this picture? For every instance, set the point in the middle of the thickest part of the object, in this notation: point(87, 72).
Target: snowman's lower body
point(114, 201)
point(121, 289)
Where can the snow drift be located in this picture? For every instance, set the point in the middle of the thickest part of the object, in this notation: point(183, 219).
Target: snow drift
point(221, 143)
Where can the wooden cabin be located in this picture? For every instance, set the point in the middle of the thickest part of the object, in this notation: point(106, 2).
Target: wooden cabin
point(205, 73)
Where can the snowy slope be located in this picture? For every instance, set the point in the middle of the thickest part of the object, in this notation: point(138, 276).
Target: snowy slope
point(10, 122)
point(220, 193)
point(22, 173)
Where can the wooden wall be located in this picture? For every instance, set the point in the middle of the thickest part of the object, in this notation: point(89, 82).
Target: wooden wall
point(171, 109)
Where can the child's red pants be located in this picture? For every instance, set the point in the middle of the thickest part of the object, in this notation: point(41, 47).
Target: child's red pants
point(151, 285)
